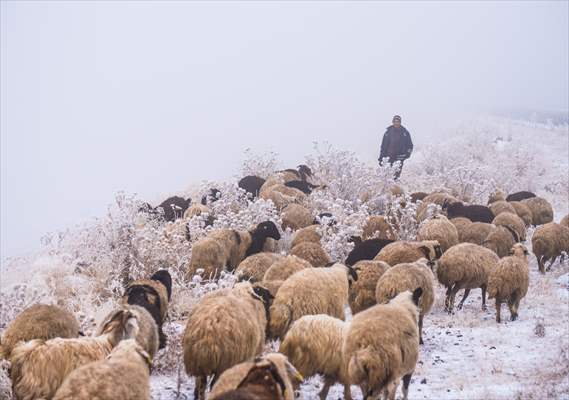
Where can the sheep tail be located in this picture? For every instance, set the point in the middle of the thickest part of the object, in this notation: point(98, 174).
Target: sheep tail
point(281, 316)
point(369, 367)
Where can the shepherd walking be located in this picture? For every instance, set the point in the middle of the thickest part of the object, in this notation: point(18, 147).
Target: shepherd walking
point(396, 145)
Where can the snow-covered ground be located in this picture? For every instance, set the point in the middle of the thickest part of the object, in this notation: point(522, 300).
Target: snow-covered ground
point(466, 355)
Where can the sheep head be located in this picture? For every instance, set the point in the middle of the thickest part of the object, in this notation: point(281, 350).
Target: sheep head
point(163, 276)
point(119, 325)
point(519, 250)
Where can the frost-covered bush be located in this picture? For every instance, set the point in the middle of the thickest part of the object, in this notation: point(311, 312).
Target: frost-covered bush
point(260, 164)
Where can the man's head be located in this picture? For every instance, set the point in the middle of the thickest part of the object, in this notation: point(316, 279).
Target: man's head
point(397, 121)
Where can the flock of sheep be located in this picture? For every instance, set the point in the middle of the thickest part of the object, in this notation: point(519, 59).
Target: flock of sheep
point(299, 298)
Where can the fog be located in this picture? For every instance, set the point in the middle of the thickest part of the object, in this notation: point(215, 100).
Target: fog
point(151, 97)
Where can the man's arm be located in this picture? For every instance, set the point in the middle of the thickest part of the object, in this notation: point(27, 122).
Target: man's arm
point(384, 146)
point(409, 145)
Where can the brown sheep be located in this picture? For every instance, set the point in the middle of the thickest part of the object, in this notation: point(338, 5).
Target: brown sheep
point(382, 346)
point(548, 242)
point(509, 282)
point(465, 266)
point(309, 234)
point(311, 252)
point(295, 216)
point(439, 228)
point(40, 321)
point(404, 277)
point(541, 210)
point(512, 221)
point(378, 227)
point(565, 221)
point(501, 206)
point(408, 252)
point(269, 377)
point(477, 232)
point(500, 240)
point(460, 223)
point(362, 291)
point(285, 267)
point(225, 328)
point(124, 374)
point(253, 268)
point(523, 212)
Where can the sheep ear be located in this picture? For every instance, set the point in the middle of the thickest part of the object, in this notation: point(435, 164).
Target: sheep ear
point(130, 325)
point(438, 251)
point(353, 273)
point(262, 294)
point(417, 295)
point(293, 373)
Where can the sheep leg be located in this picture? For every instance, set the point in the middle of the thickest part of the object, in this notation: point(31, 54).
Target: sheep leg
point(447, 299)
point(406, 382)
point(452, 295)
point(199, 390)
point(541, 263)
point(324, 392)
point(483, 287)
point(391, 389)
point(420, 328)
point(551, 263)
point(498, 308)
point(347, 392)
point(512, 307)
point(466, 293)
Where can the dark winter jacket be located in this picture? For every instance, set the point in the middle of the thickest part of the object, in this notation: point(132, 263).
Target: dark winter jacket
point(396, 144)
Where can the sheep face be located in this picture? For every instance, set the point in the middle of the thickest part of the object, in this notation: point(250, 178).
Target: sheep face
point(164, 277)
point(304, 171)
point(519, 250)
point(269, 230)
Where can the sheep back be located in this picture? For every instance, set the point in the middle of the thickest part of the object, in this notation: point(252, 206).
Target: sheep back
point(440, 229)
point(362, 291)
point(500, 240)
point(295, 216)
point(377, 226)
point(477, 232)
point(523, 212)
point(39, 321)
point(466, 264)
point(499, 207)
point(285, 267)
point(510, 275)
point(407, 252)
point(512, 221)
point(255, 266)
point(308, 234)
point(541, 210)
point(460, 223)
point(311, 252)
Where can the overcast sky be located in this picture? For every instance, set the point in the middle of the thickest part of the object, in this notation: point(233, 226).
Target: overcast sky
point(151, 97)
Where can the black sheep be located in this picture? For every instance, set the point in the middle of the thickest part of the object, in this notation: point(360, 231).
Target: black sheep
point(174, 207)
point(365, 250)
point(303, 186)
point(475, 213)
point(251, 184)
point(519, 196)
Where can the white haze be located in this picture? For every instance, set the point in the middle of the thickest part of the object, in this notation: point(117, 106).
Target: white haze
point(151, 97)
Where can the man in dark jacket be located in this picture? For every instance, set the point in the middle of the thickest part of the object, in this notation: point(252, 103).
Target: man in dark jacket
point(396, 145)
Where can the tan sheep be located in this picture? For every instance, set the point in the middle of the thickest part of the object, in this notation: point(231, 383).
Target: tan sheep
point(408, 252)
point(565, 221)
point(460, 223)
point(541, 210)
point(465, 266)
point(378, 227)
point(285, 267)
point(512, 221)
point(437, 198)
point(40, 321)
point(477, 232)
point(225, 328)
point(253, 268)
point(501, 206)
point(309, 234)
point(404, 277)
point(308, 292)
point(314, 346)
point(295, 216)
point(500, 240)
point(196, 209)
point(38, 367)
point(311, 252)
point(281, 195)
point(362, 291)
point(439, 228)
point(382, 346)
point(498, 195)
point(523, 211)
point(509, 282)
point(268, 377)
point(124, 374)
point(548, 242)
point(227, 248)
